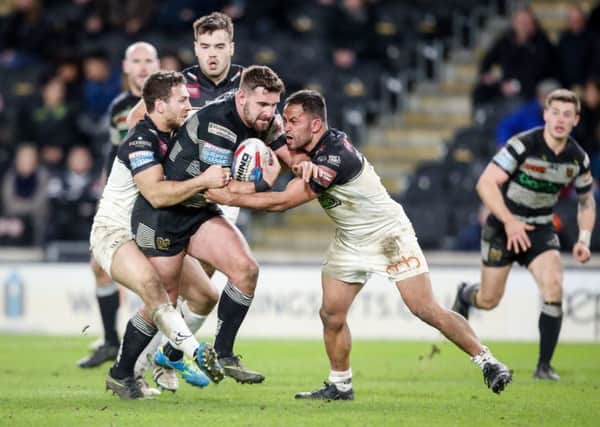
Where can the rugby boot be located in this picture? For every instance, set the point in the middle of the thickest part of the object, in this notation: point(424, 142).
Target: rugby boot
point(459, 305)
point(126, 388)
point(328, 392)
point(496, 376)
point(233, 368)
point(189, 371)
point(104, 353)
point(545, 372)
point(206, 359)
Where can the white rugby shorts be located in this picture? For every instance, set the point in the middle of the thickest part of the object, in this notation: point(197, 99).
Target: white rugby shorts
point(395, 254)
point(230, 213)
point(105, 240)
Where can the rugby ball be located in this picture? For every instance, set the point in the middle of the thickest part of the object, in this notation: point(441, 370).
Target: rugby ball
point(247, 160)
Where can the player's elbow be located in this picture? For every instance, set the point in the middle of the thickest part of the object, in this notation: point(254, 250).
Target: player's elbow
point(156, 200)
point(482, 184)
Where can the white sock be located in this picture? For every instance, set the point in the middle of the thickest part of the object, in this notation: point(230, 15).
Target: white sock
point(483, 357)
point(193, 320)
point(341, 379)
point(172, 325)
point(142, 364)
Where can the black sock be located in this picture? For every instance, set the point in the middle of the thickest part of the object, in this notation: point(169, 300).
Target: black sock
point(138, 335)
point(233, 306)
point(172, 353)
point(108, 302)
point(467, 295)
point(549, 325)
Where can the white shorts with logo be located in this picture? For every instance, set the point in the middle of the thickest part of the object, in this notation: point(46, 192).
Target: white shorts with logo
point(395, 254)
point(105, 240)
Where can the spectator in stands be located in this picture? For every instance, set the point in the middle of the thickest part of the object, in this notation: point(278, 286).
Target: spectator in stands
point(576, 49)
point(170, 61)
point(51, 124)
point(24, 192)
point(68, 68)
point(517, 61)
point(24, 35)
point(528, 116)
point(587, 132)
point(129, 16)
point(6, 144)
point(73, 197)
point(101, 83)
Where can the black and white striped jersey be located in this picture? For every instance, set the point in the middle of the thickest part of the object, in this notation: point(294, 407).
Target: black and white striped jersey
point(537, 174)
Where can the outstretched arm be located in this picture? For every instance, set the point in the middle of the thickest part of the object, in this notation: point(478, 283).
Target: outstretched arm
point(296, 193)
point(161, 193)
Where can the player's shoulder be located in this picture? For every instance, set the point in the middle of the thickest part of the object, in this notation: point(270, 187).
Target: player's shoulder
point(235, 73)
point(333, 149)
point(577, 152)
point(123, 100)
point(142, 131)
point(526, 141)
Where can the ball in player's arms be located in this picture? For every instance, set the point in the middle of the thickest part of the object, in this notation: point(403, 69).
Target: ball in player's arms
point(248, 160)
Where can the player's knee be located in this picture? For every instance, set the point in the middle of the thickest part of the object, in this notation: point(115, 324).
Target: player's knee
point(246, 273)
point(331, 320)
point(487, 302)
point(424, 311)
point(552, 289)
point(151, 290)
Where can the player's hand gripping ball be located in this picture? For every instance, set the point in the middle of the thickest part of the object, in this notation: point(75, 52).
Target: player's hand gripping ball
point(248, 159)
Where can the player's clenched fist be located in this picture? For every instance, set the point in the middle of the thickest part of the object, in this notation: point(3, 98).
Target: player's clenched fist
point(216, 176)
point(581, 252)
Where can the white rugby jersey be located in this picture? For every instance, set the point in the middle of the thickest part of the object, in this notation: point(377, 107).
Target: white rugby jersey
point(350, 191)
point(144, 147)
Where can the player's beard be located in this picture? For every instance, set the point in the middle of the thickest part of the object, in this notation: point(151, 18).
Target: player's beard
point(253, 121)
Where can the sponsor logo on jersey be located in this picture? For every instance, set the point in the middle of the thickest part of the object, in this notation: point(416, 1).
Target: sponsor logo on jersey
point(538, 185)
point(334, 160)
point(325, 176)
point(137, 159)
point(327, 201)
point(214, 155)
point(137, 143)
point(222, 131)
point(535, 168)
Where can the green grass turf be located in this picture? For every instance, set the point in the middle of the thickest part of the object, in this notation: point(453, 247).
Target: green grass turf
point(396, 383)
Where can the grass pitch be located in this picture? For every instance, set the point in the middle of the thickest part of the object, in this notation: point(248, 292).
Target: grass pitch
point(396, 383)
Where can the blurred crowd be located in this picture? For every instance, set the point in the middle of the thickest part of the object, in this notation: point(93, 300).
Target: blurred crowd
point(60, 66)
point(60, 62)
point(523, 65)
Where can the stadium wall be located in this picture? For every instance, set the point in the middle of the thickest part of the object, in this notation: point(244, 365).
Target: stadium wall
point(60, 299)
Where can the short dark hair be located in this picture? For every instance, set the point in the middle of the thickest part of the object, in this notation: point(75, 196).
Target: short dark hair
point(311, 102)
point(564, 95)
point(261, 76)
point(159, 85)
point(213, 22)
